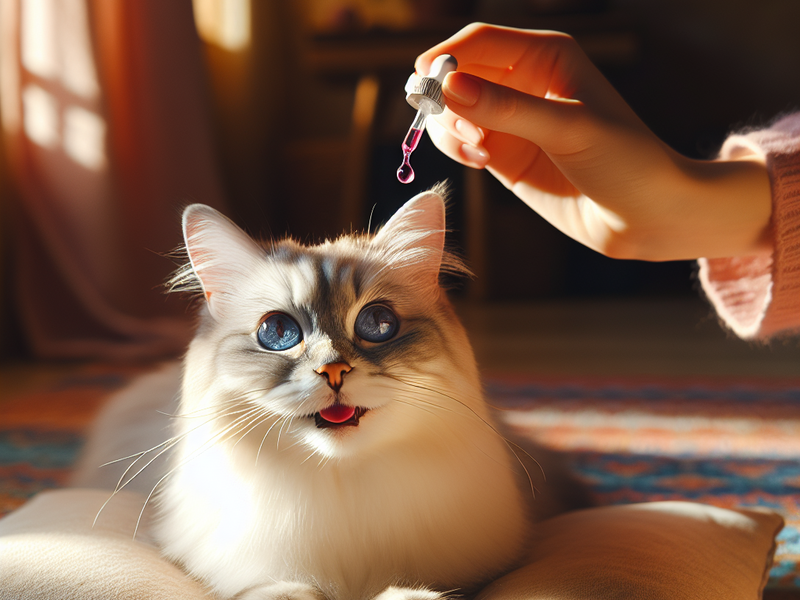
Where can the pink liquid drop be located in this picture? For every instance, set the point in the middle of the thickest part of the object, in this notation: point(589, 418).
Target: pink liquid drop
point(405, 174)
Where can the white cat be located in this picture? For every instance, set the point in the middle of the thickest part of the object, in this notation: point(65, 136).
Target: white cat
point(332, 439)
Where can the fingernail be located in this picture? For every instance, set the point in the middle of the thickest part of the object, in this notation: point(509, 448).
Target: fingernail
point(462, 88)
point(469, 132)
point(477, 156)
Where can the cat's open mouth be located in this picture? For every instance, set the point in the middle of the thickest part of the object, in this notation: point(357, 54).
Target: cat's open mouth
point(339, 415)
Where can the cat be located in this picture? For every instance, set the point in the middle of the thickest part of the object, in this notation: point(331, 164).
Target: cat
point(332, 440)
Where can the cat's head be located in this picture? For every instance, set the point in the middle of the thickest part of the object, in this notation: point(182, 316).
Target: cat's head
point(336, 348)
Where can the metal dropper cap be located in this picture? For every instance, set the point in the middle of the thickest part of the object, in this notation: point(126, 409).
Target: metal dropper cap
point(430, 86)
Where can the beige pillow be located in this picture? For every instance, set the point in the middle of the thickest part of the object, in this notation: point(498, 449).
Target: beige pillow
point(652, 551)
point(49, 550)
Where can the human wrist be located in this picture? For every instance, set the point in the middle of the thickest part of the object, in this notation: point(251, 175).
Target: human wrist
point(727, 205)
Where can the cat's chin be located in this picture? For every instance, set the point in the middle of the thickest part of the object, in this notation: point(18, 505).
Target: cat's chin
point(359, 434)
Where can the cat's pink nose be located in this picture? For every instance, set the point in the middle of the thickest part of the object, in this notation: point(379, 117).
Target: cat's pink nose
point(334, 374)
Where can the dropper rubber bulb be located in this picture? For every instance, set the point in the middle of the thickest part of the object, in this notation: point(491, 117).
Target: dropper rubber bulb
point(424, 94)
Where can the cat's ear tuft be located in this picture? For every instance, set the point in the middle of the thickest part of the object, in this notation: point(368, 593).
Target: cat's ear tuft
point(424, 212)
point(220, 254)
point(415, 234)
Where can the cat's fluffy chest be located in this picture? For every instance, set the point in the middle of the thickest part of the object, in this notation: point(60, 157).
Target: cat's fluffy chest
point(444, 512)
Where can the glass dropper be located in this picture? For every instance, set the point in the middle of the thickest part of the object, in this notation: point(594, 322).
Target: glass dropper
point(405, 173)
point(424, 94)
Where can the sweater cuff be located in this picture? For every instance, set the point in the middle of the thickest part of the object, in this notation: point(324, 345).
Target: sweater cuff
point(758, 296)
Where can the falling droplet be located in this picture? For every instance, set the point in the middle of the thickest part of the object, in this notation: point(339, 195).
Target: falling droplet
point(405, 174)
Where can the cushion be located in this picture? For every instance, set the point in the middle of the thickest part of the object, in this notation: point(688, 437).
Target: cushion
point(653, 551)
point(50, 550)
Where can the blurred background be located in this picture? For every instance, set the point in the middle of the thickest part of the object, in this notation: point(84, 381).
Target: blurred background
point(289, 117)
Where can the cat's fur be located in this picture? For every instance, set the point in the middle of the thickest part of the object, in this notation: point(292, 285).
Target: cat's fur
point(423, 494)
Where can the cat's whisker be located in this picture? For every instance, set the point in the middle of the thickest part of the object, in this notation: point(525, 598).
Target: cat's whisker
point(264, 439)
point(240, 424)
point(415, 402)
point(137, 455)
point(254, 420)
point(289, 426)
point(202, 411)
point(371, 213)
point(280, 430)
point(451, 594)
point(257, 421)
point(216, 438)
point(167, 445)
point(120, 486)
point(324, 460)
point(509, 444)
point(311, 455)
point(287, 422)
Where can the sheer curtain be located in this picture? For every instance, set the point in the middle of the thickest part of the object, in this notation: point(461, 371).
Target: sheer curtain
point(108, 135)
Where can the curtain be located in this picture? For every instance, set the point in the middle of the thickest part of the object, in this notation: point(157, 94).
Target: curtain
point(108, 135)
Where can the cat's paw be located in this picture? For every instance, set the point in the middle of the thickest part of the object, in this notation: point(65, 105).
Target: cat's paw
point(406, 593)
point(282, 590)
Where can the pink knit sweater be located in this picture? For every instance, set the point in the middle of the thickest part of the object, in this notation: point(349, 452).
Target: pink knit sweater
point(759, 296)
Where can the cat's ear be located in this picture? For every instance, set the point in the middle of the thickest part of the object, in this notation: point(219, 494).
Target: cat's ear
point(414, 236)
point(221, 255)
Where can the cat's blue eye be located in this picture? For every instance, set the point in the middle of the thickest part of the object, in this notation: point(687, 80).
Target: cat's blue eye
point(279, 332)
point(376, 323)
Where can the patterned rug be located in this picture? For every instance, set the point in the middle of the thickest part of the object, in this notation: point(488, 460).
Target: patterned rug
point(43, 427)
point(721, 442)
point(726, 443)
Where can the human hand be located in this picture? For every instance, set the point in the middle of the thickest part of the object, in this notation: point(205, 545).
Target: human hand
point(531, 108)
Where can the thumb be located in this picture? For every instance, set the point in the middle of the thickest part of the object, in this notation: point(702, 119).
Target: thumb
point(543, 121)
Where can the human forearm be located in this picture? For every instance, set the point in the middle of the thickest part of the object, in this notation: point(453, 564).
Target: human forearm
point(708, 209)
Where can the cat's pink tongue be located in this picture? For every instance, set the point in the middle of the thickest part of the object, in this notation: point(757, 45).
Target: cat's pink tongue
point(338, 413)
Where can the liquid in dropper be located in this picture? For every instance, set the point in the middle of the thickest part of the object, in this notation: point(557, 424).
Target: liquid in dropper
point(405, 174)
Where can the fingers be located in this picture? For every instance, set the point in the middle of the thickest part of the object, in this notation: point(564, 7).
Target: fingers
point(536, 62)
point(461, 128)
point(488, 45)
point(468, 132)
point(546, 122)
point(458, 139)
